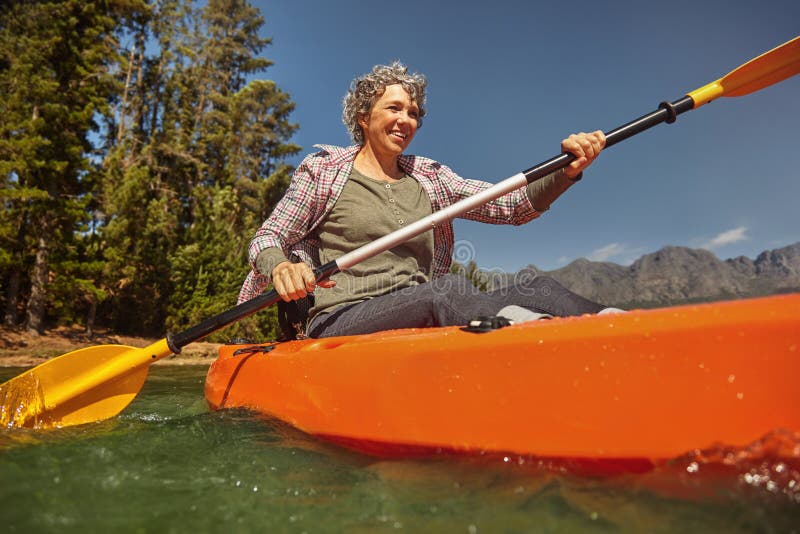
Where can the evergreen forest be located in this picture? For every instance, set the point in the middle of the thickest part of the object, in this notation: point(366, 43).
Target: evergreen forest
point(141, 145)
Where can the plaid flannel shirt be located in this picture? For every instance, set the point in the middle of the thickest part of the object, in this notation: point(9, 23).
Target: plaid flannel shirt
point(320, 179)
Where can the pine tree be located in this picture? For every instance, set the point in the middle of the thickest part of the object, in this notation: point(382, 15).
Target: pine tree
point(56, 78)
point(473, 273)
point(187, 182)
point(209, 270)
point(243, 141)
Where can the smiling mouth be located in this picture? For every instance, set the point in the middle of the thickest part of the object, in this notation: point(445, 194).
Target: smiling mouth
point(399, 135)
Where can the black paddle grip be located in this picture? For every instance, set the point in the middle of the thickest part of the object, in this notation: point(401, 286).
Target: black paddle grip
point(666, 112)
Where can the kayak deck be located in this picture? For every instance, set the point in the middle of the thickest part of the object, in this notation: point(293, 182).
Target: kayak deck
point(647, 384)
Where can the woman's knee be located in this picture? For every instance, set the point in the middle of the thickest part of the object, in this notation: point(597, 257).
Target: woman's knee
point(457, 298)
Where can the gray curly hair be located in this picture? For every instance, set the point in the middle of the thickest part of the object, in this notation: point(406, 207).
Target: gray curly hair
point(367, 89)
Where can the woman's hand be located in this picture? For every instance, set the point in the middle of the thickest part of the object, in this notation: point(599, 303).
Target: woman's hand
point(585, 147)
point(294, 281)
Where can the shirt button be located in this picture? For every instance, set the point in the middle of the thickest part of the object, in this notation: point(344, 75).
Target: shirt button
point(391, 200)
point(388, 186)
point(401, 221)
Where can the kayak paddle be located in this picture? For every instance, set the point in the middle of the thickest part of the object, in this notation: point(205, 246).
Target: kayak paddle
point(96, 383)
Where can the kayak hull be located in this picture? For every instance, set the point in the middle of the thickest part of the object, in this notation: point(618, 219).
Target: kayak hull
point(647, 384)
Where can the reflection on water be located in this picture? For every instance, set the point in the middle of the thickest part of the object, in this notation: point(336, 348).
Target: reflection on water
point(168, 464)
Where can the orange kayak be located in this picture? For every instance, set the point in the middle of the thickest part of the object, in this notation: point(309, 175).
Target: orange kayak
point(647, 384)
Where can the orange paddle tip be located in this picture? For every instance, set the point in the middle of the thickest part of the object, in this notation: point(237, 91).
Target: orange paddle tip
point(767, 69)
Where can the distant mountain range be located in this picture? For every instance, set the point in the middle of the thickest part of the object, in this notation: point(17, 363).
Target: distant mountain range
point(675, 275)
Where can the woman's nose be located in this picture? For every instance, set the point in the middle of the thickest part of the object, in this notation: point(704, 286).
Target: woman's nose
point(404, 117)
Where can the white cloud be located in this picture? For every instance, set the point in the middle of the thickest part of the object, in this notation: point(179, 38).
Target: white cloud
point(726, 238)
point(607, 252)
point(617, 252)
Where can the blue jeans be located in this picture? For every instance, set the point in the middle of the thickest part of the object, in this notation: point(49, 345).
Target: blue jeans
point(449, 300)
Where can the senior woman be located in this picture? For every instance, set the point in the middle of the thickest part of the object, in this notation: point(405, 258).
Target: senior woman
point(342, 198)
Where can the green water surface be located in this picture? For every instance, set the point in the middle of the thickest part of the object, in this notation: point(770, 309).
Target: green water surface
point(168, 464)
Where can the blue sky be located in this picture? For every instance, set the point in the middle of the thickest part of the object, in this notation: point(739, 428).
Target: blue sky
point(509, 79)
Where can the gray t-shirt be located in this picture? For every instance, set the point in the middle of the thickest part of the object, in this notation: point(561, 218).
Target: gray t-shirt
point(367, 210)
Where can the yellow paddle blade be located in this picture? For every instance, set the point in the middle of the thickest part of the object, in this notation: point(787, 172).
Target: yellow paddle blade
point(770, 67)
point(79, 387)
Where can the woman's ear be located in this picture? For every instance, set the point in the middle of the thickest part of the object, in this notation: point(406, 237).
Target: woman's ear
point(363, 120)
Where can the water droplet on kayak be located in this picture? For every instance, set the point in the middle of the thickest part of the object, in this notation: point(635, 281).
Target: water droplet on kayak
point(740, 396)
point(692, 467)
point(731, 378)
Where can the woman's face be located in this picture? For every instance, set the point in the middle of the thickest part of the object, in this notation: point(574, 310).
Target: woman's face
point(392, 122)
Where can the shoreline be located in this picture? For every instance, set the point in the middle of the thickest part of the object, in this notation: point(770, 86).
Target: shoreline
point(19, 348)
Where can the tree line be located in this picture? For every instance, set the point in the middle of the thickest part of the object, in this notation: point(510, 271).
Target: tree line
point(140, 147)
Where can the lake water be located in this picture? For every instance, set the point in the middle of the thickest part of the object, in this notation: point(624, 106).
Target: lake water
point(168, 464)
